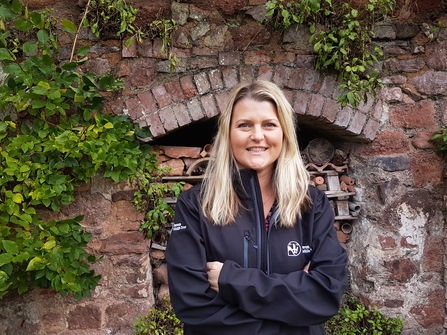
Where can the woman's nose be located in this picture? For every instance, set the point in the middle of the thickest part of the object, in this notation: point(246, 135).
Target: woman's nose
point(257, 134)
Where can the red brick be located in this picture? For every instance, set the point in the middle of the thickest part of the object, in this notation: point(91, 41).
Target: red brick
point(265, 72)
point(216, 81)
point(427, 169)
point(371, 129)
point(377, 111)
point(357, 123)
point(305, 61)
point(202, 83)
point(256, 57)
point(202, 62)
point(205, 52)
point(300, 103)
point(156, 51)
point(310, 80)
point(256, 2)
point(181, 53)
point(168, 119)
point(195, 109)
point(144, 48)
point(175, 91)
point(329, 86)
point(181, 114)
point(330, 110)
point(156, 127)
point(134, 107)
point(131, 50)
point(180, 151)
point(281, 75)
point(289, 96)
point(123, 243)
point(230, 77)
point(209, 105)
point(296, 79)
point(387, 143)
point(161, 96)
point(229, 58)
point(176, 165)
point(222, 100)
point(344, 116)
point(147, 102)
point(387, 242)
point(443, 108)
point(315, 105)
point(418, 115)
point(284, 57)
point(188, 87)
point(246, 74)
point(137, 71)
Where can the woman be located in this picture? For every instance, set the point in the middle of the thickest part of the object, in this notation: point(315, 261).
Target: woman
point(253, 249)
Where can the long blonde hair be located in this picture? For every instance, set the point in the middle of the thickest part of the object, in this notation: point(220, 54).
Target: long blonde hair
point(220, 203)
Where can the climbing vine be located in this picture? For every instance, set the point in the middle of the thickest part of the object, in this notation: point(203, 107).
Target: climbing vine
point(341, 36)
point(53, 136)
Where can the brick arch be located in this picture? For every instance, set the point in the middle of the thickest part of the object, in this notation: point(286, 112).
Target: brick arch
point(194, 97)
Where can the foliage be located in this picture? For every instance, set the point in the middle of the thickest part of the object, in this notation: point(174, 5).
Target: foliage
point(341, 36)
point(150, 196)
point(439, 140)
point(53, 138)
point(161, 321)
point(111, 17)
point(355, 318)
point(164, 29)
point(117, 17)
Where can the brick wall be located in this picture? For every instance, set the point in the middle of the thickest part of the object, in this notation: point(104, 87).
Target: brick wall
point(397, 245)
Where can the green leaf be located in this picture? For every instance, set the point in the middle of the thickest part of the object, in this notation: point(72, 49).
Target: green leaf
point(36, 19)
point(82, 51)
point(35, 264)
point(5, 259)
point(29, 47)
point(69, 26)
point(5, 54)
point(23, 24)
point(49, 245)
point(43, 36)
point(10, 246)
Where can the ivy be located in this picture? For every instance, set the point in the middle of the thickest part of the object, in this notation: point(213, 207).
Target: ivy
point(53, 136)
point(342, 37)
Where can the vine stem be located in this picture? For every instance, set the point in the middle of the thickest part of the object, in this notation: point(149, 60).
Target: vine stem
point(79, 29)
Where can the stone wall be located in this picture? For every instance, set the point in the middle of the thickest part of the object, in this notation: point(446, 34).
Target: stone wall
point(397, 246)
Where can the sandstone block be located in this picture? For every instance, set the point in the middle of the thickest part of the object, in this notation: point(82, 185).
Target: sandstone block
point(437, 58)
point(431, 83)
point(418, 115)
point(160, 274)
point(387, 242)
point(421, 140)
point(137, 71)
point(404, 65)
point(84, 317)
point(257, 57)
point(297, 37)
point(229, 58)
point(387, 143)
point(427, 169)
point(401, 270)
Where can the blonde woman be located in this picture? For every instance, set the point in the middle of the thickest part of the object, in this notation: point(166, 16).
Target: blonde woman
point(253, 249)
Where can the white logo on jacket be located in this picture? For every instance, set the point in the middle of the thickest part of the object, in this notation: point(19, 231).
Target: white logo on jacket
point(293, 248)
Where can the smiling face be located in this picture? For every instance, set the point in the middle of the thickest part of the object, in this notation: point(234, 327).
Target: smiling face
point(256, 136)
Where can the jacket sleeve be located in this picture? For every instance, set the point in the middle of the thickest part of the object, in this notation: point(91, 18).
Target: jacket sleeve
point(194, 302)
point(296, 298)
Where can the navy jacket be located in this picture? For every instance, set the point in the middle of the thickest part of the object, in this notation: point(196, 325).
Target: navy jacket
point(263, 289)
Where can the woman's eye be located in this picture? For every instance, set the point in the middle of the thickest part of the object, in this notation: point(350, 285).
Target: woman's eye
point(243, 125)
point(270, 125)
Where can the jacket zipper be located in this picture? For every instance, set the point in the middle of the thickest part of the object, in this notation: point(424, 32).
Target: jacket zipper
point(259, 224)
point(272, 220)
point(247, 240)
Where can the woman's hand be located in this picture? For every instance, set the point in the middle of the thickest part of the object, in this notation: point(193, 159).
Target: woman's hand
point(213, 271)
point(306, 268)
